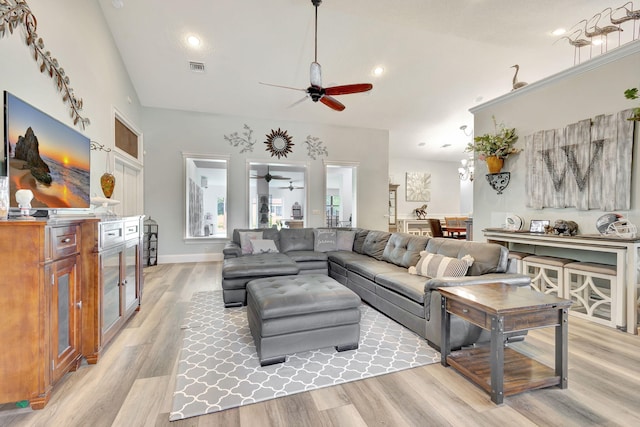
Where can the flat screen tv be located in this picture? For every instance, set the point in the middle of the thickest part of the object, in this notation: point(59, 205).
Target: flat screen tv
point(46, 156)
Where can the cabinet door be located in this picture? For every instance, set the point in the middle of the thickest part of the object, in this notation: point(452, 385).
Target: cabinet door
point(65, 316)
point(110, 308)
point(131, 289)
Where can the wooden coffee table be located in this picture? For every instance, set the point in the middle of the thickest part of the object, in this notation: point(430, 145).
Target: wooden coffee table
point(503, 309)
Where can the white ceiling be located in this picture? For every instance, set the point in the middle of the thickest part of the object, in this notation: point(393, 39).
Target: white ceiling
point(441, 58)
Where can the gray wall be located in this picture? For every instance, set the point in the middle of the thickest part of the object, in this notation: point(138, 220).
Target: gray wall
point(592, 88)
point(168, 133)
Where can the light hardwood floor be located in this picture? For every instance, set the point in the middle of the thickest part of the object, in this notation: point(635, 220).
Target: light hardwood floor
point(133, 382)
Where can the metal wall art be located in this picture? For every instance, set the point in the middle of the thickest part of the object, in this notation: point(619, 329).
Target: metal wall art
point(586, 165)
point(245, 141)
point(279, 143)
point(418, 187)
point(16, 12)
point(315, 147)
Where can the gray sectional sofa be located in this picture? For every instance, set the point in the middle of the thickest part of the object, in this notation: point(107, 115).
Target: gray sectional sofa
point(377, 267)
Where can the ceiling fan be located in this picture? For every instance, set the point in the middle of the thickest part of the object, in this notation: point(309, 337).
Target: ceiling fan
point(291, 187)
point(318, 93)
point(268, 177)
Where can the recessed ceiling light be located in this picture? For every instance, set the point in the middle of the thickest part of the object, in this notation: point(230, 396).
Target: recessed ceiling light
point(378, 71)
point(446, 145)
point(558, 31)
point(193, 41)
point(422, 144)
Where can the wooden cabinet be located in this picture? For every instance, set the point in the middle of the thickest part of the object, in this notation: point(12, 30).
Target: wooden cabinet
point(41, 305)
point(393, 207)
point(118, 279)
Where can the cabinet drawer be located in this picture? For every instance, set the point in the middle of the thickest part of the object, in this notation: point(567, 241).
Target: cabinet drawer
point(131, 229)
point(64, 241)
point(470, 314)
point(111, 233)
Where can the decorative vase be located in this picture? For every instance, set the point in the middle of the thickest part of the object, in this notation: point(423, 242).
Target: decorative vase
point(107, 182)
point(494, 164)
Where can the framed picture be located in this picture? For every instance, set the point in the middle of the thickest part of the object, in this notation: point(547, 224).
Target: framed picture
point(418, 187)
point(537, 225)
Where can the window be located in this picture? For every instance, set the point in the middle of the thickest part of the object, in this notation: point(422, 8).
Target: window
point(205, 196)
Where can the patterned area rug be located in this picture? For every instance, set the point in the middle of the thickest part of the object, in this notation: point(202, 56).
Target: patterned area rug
point(219, 367)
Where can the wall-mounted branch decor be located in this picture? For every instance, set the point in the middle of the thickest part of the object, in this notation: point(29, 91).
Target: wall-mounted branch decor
point(315, 147)
point(16, 12)
point(586, 165)
point(418, 187)
point(243, 141)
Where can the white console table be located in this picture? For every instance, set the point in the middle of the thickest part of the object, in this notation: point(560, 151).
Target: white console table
point(625, 250)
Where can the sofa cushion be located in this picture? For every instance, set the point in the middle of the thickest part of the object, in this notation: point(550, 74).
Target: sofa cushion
point(370, 268)
point(488, 257)
point(263, 246)
point(267, 233)
point(436, 265)
point(345, 239)
point(358, 240)
point(375, 243)
point(403, 283)
point(305, 256)
point(343, 258)
point(296, 239)
point(245, 240)
point(404, 249)
point(325, 240)
point(259, 265)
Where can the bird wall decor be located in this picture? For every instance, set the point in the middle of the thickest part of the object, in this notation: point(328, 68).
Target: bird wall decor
point(516, 83)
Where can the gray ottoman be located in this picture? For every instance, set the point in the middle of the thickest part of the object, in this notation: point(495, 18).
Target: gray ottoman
point(288, 314)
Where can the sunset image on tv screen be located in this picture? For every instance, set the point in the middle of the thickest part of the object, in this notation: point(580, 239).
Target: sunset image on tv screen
point(47, 157)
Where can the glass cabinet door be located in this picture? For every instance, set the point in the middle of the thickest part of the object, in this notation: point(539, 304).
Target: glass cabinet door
point(111, 312)
point(130, 280)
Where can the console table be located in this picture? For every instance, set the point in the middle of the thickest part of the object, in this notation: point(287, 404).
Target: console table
point(502, 309)
point(625, 250)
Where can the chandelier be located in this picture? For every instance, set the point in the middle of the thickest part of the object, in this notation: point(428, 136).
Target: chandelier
point(466, 170)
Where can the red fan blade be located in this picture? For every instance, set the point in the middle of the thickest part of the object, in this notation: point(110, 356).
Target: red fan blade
point(347, 89)
point(332, 103)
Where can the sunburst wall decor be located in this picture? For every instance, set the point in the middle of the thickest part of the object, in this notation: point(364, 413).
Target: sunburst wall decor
point(279, 143)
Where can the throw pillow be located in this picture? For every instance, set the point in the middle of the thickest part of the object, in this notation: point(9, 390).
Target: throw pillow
point(245, 240)
point(324, 240)
point(435, 265)
point(263, 246)
point(345, 240)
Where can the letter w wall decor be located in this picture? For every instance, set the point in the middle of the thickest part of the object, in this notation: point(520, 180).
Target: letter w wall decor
point(586, 165)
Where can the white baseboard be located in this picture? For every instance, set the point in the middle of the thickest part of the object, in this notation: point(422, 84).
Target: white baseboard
point(180, 258)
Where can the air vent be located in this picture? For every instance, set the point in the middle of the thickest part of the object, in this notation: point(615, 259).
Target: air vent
point(196, 67)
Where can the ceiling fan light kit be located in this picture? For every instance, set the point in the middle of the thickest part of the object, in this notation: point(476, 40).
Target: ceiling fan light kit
point(316, 91)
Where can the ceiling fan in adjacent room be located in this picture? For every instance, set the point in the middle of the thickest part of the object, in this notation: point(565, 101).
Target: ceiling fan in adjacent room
point(318, 93)
point(268, 177)
point(291, 187)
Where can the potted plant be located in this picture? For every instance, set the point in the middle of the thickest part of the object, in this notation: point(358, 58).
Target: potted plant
point(495, 147)
point(633, 94)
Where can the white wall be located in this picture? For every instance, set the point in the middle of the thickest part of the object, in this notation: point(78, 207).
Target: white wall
point(445, 186)
point(76, 34)
point(593, 88)
point(168, 133)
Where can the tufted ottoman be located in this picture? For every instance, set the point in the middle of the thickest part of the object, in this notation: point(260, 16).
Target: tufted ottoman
point(288, 314)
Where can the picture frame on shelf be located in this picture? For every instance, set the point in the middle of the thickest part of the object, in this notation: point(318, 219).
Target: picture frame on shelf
point(538, 225)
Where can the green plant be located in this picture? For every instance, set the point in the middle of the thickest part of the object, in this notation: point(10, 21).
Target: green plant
point(498, 144)
point(633, 94)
